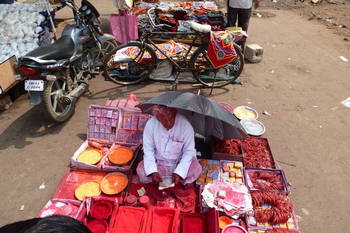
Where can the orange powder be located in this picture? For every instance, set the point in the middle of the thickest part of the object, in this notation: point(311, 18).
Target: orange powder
point(114, 183)
point(121, 155)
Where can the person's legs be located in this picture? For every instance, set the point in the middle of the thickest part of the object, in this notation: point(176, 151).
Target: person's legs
point(243, 22)
point(232, 14)
point(243, 18)
point(140, 170)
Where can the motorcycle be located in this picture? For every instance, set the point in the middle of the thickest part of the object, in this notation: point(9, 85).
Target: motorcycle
point(58, 74)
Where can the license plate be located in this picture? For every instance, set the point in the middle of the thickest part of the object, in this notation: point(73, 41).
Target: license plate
point(34, 85)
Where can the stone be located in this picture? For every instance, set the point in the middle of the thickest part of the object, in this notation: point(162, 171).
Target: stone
point(253, 53)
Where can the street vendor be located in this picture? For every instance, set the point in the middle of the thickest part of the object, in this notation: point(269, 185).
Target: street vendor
point(169, 148)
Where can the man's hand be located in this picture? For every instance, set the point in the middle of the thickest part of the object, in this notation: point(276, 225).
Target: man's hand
point(176, 178)
point(156, 178)
point(256, 4)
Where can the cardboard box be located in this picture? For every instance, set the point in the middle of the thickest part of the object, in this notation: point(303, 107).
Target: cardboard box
point(7, 74)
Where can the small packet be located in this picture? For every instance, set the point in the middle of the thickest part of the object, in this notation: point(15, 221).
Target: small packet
point(127, 121)
point(134, 122)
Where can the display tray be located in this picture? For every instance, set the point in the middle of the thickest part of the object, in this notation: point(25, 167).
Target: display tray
point(261, 146)
point(231, 171)
point(73, 178)
point(291, 224)
point(74, 163)
point(280, 173)
point(210, 171)
point(226, 156)
point(126, 168)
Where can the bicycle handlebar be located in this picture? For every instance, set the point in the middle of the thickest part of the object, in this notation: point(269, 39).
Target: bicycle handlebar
point(154, 25)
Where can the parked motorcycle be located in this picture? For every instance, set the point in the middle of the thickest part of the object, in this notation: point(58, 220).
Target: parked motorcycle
point(58, 74)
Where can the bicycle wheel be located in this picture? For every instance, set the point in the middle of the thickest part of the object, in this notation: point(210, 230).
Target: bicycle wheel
point(130, 63)
point(206, 74)
point(238, 63)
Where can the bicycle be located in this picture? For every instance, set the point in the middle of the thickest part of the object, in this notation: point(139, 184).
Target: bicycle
point(135, 68)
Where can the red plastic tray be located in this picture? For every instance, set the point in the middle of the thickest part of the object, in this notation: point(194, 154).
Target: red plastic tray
point(200, 223)
point(163, 220)
point(129, 219)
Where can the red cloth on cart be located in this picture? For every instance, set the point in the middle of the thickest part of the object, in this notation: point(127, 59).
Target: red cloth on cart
point(221, 49)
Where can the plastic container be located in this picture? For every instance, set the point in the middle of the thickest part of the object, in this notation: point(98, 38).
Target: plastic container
point(131, 200)
point(233, 228)
point(145, 201)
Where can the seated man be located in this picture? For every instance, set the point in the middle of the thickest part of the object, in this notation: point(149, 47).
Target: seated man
point(168, 145)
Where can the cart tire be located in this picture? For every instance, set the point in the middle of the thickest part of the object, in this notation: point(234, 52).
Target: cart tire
point(124, 77)
point(204, 72)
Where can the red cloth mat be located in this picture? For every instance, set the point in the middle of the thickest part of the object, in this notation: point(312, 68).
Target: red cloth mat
point(129, 220)
point(151, 190)
point(73, 178)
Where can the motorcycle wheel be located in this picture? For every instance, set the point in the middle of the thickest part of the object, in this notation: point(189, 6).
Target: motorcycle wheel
point(56, 109)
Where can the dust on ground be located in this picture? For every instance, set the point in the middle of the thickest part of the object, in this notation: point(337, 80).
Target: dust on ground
point(334, 14)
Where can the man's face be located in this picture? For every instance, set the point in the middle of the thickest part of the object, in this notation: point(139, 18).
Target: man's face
point(166, 116)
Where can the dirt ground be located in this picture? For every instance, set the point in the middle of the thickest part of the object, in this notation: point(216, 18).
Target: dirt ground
point(300, 82)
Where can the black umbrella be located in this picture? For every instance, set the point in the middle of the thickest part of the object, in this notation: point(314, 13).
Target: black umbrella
point(206, 116)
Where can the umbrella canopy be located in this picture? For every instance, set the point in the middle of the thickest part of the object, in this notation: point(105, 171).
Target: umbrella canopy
point(206, 116)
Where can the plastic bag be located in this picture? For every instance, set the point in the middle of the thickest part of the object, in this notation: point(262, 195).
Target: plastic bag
point(124, 26)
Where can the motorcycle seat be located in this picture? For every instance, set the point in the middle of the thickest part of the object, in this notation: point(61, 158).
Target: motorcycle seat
point(62, 48)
